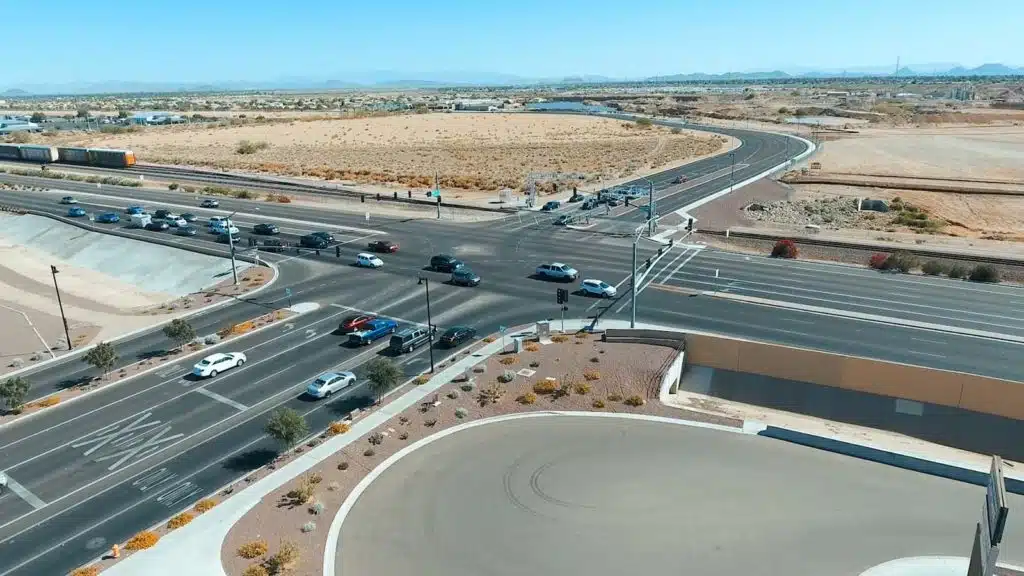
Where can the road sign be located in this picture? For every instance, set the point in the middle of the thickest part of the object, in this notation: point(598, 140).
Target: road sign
point(995, 502)
point(288, 292)
point(502, 329)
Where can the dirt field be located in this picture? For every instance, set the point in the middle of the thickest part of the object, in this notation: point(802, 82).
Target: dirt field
point(469, 151)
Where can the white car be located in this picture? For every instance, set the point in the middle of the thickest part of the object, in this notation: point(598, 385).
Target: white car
point(218, 221)
point(175, 221)
point(598, 288)
point(368, 260)
point(558, 271)
point(329, 383)
point(224, 229)
point(216, 363)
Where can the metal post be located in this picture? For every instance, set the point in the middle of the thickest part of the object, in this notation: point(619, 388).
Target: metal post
point(430, 323)
point(732, 170)
point(231, 245)
point(53, 272)
point(651, 210)
point(563, 318)
point(632, 287)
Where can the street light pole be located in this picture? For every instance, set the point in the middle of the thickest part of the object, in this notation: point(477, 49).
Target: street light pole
point(67, 334)
point(651, 209)
point(430, 323)
point(632, 287)
point(231, 246)
point(732, 170)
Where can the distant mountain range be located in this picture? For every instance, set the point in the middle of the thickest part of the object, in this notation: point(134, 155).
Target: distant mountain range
point(408, 80)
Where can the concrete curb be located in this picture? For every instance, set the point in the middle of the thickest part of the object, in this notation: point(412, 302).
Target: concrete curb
point(948, 470)
point(334, 532)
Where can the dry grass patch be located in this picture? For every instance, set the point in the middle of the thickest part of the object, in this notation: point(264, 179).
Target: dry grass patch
point(256, 570)
point(180, 520)
point(252, 550)
point(204, 505)
point(591, 375)
point(547, 386)
point(142, 540)
point(559, 338)
point(86, 571)
point(509, 359)
point(528, 398)
point(531, 347)
point(337, 428)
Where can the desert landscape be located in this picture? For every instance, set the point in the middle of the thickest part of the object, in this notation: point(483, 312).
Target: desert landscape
point(468, 152)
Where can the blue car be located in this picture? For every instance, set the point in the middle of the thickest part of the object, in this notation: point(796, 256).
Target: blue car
point(135, 210)
point(108, 218)
point(76, 212)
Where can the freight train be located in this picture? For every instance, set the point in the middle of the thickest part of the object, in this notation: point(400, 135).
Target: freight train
point(61, 155)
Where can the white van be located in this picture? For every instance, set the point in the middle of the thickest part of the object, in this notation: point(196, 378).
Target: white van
point(140, 220)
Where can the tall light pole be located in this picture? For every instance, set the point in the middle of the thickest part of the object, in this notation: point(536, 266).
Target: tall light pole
point(430, 324)
point(231, 246)
point(67, 334)
point(732, 170)
point(652, 223)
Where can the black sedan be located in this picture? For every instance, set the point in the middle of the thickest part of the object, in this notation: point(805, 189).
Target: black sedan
point(188, 217)
point(456, 335)
point(157, 226)
point(465, 277)
point(209, 203)
point(266, 229)
point(225, 238)
point(327, 236)
point(186, 231)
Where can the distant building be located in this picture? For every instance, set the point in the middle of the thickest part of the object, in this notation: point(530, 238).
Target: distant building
point(154, 118)
point(7, 126)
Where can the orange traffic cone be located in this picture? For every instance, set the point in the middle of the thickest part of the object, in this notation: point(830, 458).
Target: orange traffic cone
point(115, 551)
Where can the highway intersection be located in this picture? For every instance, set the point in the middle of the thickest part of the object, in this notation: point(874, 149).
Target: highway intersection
point(97, 470)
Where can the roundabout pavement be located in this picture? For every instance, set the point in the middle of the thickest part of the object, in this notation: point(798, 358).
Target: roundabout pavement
point(575, 494)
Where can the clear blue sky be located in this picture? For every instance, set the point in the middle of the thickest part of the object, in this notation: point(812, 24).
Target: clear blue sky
point(192, 40)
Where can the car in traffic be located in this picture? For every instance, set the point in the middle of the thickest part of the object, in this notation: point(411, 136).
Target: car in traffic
point(465, 277)
point(599, 288)
point(216, 221)
point(558, 271)
point(186, 231)
point(270, 245)
point(175, 221)
point(385, 246)
point(266, 229)
point(224, 228)
point(216, 363)
point(589, 204)
point(367, 260)
point(76, 212)
point(330, 382)
point(409, 339)
point(311, 241)
point(456, 335)
point(354, 323)
point(613, 201)
point(132, 210)
point(68, 200)
point(679, 179)
point(327, 236)
point(445, 263)
point(564, 220)
point(108, 218)
point(161, 214)
point(209, 203)
point(551, 205)
point(372, 331)
point(156, 226)
point(189, 217)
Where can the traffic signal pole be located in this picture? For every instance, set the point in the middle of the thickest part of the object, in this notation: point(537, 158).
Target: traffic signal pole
point(632, 288)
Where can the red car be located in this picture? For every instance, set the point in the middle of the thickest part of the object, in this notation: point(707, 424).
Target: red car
point(383, 246)
point(355, 323)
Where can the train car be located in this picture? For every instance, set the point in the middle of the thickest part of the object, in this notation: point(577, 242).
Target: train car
point(10, 152)
point(73, 155)
point(111, 158)
point(44, 154)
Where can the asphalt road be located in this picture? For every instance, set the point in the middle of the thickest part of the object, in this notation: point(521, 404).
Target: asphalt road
point(621, 497)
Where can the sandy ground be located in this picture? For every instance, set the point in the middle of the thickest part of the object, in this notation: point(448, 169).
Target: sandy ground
point(468, 151)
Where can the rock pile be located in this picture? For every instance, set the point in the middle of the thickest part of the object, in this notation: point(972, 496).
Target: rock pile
point(830, 213)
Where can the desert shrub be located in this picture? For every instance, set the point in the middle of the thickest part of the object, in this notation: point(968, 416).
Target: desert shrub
point(453, 394)
point(179, 520)
point(142, 540)
point(591, 375)
point(243, 195)
point(248, 147)
point(509, 360)
point(189, 189)
point(489, 339)
point(337, 428)
point(582, 388)
point(369, 452)
point(315, 478)
point(172, 186)
point(531, 347)
point(255, 570)
point(342, 465)
point(901, 262)
point(212, 339)
point(559, 338)
point(598, 403)
point(507, 376)
point(933, 268)
point(253, 549)
point(376, 439)
point(308, 527)
point(785, 249)
point(957, 271)
point(285, 558)
point(317, 508)
point(581, 335)
point(403, 419)
point(403, 435)
point(17, 363)
point(634, 400)
point(984, 273)
point(615, 397)
point(461, 413)
point(878, 261)
point(421, 379)
point(282, 199)
point(86, 571)
point(430, 422)
point(467, 387)
point(528, 398)
point(302, 492)
point(204, 505)
point(595, 359)
point(545, 387)
point(491, 394)
point(334, 486)
point(534, 364)
point(48, 401)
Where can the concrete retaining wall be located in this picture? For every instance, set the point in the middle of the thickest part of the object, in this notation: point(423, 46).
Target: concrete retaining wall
point(641, 336)
point(670, 380)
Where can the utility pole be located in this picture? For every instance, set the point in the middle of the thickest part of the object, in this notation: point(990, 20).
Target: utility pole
point(67, 334)
point(732, 170)
point(430, 323)
point(231, 246)
point(652, 224)
point(632, 287)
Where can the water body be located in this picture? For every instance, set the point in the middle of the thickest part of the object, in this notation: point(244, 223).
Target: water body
point(569, 107)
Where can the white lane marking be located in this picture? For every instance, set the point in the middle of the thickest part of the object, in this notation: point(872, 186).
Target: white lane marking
point(915, 352)
point(23, 493)
point(223, 399)
point(929, 341)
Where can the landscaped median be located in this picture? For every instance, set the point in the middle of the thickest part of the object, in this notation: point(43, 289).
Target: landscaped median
point(111, 370)
point(282, 513)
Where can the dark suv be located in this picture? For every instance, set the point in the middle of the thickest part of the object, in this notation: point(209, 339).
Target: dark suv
point(445, 263)
point(313, 241)
point(327, 236)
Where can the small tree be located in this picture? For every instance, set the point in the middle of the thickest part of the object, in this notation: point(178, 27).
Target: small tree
point(933, 268)
point(180, 331)
point(287, 426)
point(83, 113)
point(879, 261)
point(122, 114)
point(37, 118)
point(957, 271)
point(103, 357)
point(984, 273)
point(901, 262)
point(785, 249)
point(383, 375)
point(13, 392)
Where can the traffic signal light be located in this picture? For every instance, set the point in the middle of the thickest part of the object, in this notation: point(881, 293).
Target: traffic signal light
point(689, 224)
point(563, 295)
